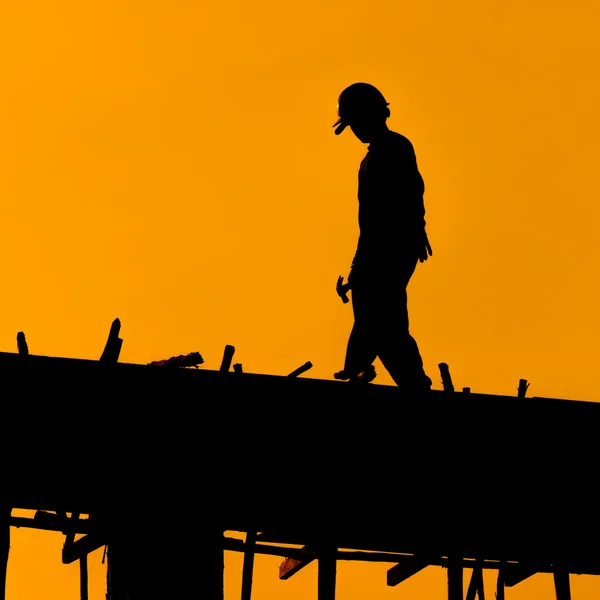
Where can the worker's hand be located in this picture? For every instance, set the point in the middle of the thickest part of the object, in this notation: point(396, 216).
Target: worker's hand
point(425, 250)
point(341, 287)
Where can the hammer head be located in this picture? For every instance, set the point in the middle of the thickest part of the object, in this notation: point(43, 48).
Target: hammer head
point(342, 289)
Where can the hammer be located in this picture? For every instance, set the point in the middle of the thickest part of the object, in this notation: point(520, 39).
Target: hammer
point(342, 289)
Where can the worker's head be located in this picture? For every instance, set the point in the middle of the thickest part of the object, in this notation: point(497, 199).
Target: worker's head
point(362, 107)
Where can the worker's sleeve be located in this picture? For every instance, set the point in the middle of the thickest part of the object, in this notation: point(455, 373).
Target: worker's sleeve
point(409, 185)
point(360, 253)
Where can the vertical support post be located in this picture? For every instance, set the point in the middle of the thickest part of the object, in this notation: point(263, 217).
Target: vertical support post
point(562, 584)
point(116, 571)
point(500, 583)
point(446, 378)
point(455, 578)
point(522, 389)
point(476, 584)
point(22, 344)
point(215, 565)
point(327, 572)
point(83, 577)
point(4, 547)
point(248, 567)
point(113, 344)
point(227, 358)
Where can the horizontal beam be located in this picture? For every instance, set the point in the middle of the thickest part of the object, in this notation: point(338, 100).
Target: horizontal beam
point(406, 568)
point(55, 523)
point(302, 554)
point(235, 545)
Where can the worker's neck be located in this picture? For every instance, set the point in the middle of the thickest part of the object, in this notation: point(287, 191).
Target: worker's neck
point(379, 134)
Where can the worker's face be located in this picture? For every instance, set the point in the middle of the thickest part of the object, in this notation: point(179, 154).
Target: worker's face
point(366, 127)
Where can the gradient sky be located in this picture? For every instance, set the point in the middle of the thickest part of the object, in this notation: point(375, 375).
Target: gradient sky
point(173, 164)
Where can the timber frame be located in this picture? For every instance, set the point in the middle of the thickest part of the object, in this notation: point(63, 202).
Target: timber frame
point(305, 469)
point(404, 566)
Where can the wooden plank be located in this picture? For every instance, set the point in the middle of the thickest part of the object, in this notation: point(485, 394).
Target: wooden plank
point(301, 555)
point(235, 545)
point(406, 568)
point(52, 524)
point(290, 566)
point(517, 571)
point(301, 369)
point(112, 349)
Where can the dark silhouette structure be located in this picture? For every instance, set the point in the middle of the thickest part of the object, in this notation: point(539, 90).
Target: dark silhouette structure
point(392, 240)
point(163, 464)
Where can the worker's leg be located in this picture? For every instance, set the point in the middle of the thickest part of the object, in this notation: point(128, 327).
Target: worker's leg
point(360, 351)
point(397, 349)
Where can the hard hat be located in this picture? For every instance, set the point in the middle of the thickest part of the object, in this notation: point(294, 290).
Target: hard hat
point(359, 99)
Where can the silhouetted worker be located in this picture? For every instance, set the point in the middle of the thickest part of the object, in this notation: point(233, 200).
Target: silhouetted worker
point(391, 218)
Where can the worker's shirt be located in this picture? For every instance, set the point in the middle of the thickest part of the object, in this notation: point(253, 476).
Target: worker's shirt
point(391, 212)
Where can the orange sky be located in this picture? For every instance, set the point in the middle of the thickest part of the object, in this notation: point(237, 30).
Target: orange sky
point(173, 164)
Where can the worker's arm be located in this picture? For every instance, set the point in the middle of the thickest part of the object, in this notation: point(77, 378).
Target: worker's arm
point(406, 182)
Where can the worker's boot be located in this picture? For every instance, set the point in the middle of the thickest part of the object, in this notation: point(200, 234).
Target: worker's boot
point(418, 386)
point(365, 376)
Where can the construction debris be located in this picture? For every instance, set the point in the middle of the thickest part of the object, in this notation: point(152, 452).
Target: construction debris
point(183, 360)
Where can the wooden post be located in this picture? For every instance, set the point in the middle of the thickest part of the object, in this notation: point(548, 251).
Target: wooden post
point(561, 583)
point(4, 548)
point(522, 389)
point(248, 567)
point(326, 572)
point(207, 568)
point(83, 577)
point(237, 368)
point(303, 368)
point(116, 582)
point(113, 344)
point(227, 358)
point(455, 578)
point(500, 583)
point(476, 584)
point(446, 379)
point(22, 344)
